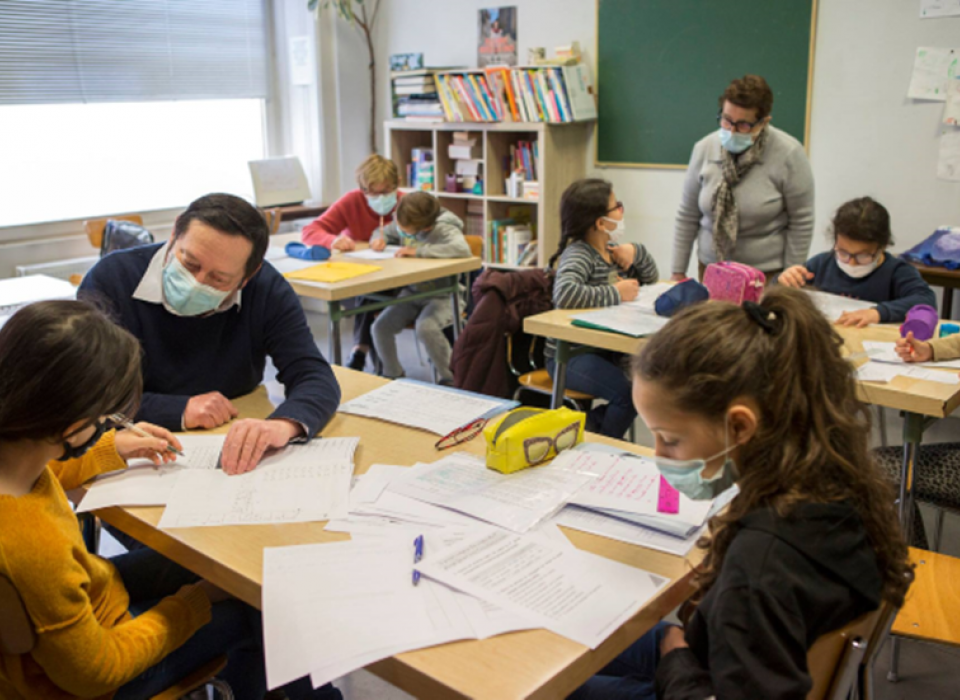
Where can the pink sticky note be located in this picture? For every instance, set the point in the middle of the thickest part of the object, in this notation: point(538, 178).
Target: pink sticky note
point(668, 500)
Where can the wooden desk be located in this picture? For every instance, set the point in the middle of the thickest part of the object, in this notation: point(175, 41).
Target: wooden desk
point(531, 664)
point(923, 402)
point(941, 277)
point(394, 273)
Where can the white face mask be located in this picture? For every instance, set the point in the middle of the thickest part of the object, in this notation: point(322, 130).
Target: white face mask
point(858, 271)
point(617, 233)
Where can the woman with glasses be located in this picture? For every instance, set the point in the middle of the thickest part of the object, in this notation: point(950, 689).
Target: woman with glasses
point(748, 194)
point(859, 267)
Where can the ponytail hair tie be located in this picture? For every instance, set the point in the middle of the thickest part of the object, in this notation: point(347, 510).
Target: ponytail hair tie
point(764, 318)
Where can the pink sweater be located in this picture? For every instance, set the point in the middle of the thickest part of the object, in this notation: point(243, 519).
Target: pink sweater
point(350, 215)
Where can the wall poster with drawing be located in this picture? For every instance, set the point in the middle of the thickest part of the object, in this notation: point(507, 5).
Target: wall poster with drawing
point(497, 45)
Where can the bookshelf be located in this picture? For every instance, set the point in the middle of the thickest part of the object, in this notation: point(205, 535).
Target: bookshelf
point(562, 159)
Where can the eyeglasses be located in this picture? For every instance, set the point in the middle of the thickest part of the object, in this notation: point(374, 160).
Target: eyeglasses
point(540, 449)
point(619, 206)
point(741, 127)
point(860, 258)
point(461, 435)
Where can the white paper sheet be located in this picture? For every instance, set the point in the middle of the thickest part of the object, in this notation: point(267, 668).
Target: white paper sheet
point(951, 111)
point(932, 67)
point(877, 372)
point(369, 254)
point(885, 372)
point(932, 9)
point(631, 485)
point(624, 319)
point(331, 608)
point(948, 159)
point(419, 405)
point(287, 264)
point(301, 483)
point(518, 502)
point(616, 529)
point(16, 292)
point(647, 298)
point(275, 252)
point(578, 595)
point(396, 506)
point(879, 351)
point(833, 305)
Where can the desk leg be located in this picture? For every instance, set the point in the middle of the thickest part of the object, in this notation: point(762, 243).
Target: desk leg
point(457, 321)
point(560, 374)
point(912, 435)
point(946, 313)
point(335, 350)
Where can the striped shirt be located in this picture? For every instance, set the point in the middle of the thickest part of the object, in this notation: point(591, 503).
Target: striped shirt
point(586, 281)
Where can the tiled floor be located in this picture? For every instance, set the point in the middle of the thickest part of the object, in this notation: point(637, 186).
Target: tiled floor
point(927, 672)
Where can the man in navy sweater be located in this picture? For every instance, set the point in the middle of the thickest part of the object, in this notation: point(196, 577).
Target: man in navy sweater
point(208, 312)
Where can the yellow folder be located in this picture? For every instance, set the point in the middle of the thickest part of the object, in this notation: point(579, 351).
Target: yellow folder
point(332, 272)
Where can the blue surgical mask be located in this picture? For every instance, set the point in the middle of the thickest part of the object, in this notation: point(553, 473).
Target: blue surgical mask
point(686, 476)
point(185, 295)
point(382, 204)
point(734, 141)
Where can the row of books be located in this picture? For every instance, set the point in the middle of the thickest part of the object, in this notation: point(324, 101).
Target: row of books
point(415, 96)
point(511, 241)
point(525, 156)
point(498, 93)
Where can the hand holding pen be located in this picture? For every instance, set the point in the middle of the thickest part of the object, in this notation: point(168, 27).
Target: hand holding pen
point(145, 440)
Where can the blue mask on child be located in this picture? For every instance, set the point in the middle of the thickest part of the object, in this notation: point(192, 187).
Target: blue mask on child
point(735, 142)
point(185, 295)
point(686, 476)
point(382, 204)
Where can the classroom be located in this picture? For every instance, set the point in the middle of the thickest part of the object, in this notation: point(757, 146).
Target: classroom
point(589, 349)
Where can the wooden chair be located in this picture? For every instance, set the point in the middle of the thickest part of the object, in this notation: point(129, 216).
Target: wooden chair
point(18, 637)
point(94, 227)
point(273, 217)
point(840, 662)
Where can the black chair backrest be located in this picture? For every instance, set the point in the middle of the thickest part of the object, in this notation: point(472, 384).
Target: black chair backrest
point(119, 235)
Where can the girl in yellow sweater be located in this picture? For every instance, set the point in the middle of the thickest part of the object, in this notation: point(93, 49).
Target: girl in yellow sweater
point(124, 628)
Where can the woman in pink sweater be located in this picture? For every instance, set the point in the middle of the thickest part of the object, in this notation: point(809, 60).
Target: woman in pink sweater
point(359, 215)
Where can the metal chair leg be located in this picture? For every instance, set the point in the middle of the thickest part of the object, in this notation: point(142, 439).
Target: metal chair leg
point(882, 424)
point(938, 529)
point(893, 675)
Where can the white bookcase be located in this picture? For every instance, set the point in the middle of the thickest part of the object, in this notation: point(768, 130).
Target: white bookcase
point(563, 159)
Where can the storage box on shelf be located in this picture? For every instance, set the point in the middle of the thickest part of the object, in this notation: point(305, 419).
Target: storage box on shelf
point(559, 158)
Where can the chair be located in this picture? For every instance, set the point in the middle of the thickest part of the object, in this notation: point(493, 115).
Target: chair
point(18, 637)
point(94, 227)
point(273, 216)
point(840, 662)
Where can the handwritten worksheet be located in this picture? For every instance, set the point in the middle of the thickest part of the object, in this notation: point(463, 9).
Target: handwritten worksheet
point(425, 406)
point(833, 305)
point(301, 483)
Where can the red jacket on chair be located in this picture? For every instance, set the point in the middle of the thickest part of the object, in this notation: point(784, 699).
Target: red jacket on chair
point(501, 301)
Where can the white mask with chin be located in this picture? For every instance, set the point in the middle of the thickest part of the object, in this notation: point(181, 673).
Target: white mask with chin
point(617, 233)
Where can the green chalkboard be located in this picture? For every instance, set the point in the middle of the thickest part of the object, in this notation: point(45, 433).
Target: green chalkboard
point(662, 64)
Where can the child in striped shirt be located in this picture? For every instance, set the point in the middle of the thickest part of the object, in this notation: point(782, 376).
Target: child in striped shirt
point(595, 269)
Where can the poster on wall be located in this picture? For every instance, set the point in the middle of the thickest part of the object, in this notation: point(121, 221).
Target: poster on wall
point(497, 45)
point(931, 9)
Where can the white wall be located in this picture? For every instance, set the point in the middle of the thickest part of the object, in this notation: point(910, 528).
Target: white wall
point(866, 136)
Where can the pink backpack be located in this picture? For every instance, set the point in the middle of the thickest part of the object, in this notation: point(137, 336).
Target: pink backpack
point(733, 281)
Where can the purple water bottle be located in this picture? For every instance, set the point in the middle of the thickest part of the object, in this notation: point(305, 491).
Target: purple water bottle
point(921, 321)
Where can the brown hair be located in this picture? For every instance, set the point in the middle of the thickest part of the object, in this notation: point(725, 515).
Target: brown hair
point(233, 216)
point(63, 362)
point(418, 210)
point(749, 92)
point(375, 170)
point(582, 203)
point(812, 441)
point(864, 220)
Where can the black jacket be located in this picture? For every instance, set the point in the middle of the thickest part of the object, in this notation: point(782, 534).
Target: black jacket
point(784, 582)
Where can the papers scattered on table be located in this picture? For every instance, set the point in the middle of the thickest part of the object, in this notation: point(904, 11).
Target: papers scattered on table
point(622, 319)
point(300, 483)
point(371, 254)
point(886, 352)
point(885, 372)
point(616, 529)
point(575, 594)
point(517, 502)
point(439, 410)
point(647, 298)
point(833, 305)
point(145, 485)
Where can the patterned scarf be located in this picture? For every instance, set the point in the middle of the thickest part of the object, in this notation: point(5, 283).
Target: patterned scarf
point(726, 213)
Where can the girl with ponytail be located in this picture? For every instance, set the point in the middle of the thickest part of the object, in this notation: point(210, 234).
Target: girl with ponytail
point(759, 395)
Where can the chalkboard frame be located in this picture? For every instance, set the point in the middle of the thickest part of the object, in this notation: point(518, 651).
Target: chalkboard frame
point(683, 165)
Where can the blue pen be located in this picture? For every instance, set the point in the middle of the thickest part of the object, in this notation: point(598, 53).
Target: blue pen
point(417, 556)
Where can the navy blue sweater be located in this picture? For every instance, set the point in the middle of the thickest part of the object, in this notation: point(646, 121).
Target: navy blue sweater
point(225, 352)
point(895, 285)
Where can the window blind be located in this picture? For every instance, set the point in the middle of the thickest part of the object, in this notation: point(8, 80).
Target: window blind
point(69, 51)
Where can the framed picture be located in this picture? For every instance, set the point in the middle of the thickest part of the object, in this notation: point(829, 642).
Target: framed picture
point(497, 45)
point(406, 61)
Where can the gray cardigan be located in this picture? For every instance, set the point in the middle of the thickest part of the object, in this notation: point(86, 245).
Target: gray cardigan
point(444, 240)
point(775, 199)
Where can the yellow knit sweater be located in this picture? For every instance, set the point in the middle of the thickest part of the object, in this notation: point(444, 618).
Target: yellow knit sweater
point(87, 643)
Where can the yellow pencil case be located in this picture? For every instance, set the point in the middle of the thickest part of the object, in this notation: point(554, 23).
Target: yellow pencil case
point(525, 437)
